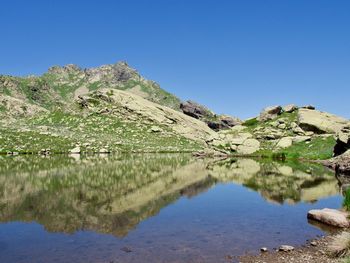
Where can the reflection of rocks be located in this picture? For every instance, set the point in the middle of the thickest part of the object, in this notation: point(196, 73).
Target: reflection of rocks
point(276, 182)
point(115, 193)
point(109, 196)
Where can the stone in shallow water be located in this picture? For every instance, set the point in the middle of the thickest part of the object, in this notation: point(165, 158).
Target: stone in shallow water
point(285, 248)
point(330, 217)
point(263, 249)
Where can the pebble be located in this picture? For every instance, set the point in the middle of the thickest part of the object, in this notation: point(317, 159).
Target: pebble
point(286, 248)
point(263, 249)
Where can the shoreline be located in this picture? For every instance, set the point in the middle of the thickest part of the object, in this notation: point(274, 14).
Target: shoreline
point(314, 250)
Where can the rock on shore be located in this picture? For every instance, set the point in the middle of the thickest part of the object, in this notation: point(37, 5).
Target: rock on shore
point(330, 217)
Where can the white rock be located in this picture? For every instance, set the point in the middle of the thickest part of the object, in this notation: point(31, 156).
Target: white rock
point(290, 108)
point(320, 122)
point(297, 139)
point(75, 150)
point(249, 146)
point(330, 217)
point(284, 142)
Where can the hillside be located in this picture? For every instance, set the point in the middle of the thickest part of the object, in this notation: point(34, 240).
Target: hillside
point(60, 85)
point(112, 108)
point(105, 109)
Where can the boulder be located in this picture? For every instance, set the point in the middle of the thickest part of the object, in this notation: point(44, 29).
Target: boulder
point(215, 122)
point(284, 142)
point(341, 163)
point(241, 138)
point(194, 109)
point(290, 108)
point(249, 146)
point(309, 107)
point(285, 248)
point(298, 139)
point(298, 130)
point(270, 113)
point(320, 122)
point(330, 217)
point(216, 125)
point(229, 121)
point(343, 166)
point(343, 141)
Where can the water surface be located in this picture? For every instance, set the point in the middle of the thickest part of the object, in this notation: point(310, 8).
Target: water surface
point(155, 207)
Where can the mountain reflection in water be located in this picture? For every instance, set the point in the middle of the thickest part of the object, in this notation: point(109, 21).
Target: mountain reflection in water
point(113, 194)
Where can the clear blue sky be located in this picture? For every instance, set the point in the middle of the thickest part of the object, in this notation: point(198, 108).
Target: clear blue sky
point(236, 57)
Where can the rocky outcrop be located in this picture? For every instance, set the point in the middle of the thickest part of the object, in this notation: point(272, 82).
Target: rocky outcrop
point(343, 141)
point(320, 122)
point(341, 163)
point(16, 107)
point(126, 104)
point(215, 122)
point(270, 113)
point(238, 142)
point(195, 110)
point(290, 108)
point(330, 217)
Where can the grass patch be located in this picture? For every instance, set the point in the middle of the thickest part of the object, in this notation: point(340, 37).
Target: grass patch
point(319, 148)
point(251, 122)
point(340, 245)
point(346, 202)
point(60, 132)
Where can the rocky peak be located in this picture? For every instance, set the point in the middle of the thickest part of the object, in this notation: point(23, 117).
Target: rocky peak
point(113, 73)
point(69, 68)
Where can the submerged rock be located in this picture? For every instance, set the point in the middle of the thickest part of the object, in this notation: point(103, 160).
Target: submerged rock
point(330, 217)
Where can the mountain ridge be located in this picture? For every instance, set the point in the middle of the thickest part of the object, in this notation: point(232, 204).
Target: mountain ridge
point(113, 108)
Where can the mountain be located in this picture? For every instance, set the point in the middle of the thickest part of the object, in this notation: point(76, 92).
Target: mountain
point(112, 108)
point(104, 109)
point(60, 85)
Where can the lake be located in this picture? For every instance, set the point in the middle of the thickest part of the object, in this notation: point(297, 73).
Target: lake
point(155, 207)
